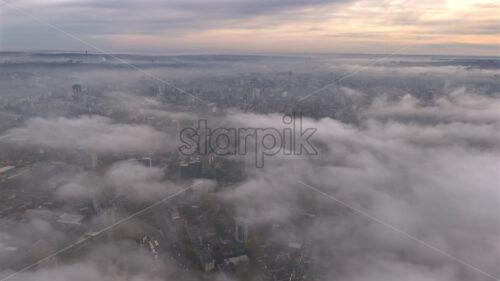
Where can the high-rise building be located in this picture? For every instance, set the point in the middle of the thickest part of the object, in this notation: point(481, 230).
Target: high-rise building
point(77, 89)
point(191, 169)
point(78, 95)
point(146, 161)
point(255, 93)
point(94, 160)
point(242, 229)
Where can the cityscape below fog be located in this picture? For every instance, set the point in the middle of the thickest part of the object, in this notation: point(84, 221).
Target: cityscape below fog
point(94, 185)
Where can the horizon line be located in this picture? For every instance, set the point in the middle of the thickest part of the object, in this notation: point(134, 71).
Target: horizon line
point(263, 54)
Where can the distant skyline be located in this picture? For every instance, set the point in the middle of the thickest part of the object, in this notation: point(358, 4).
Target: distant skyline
point(442, 27)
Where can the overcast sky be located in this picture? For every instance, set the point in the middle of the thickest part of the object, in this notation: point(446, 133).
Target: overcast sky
point(254, 26)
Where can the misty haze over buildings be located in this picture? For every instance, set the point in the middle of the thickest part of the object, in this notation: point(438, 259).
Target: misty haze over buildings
point(411, 140)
